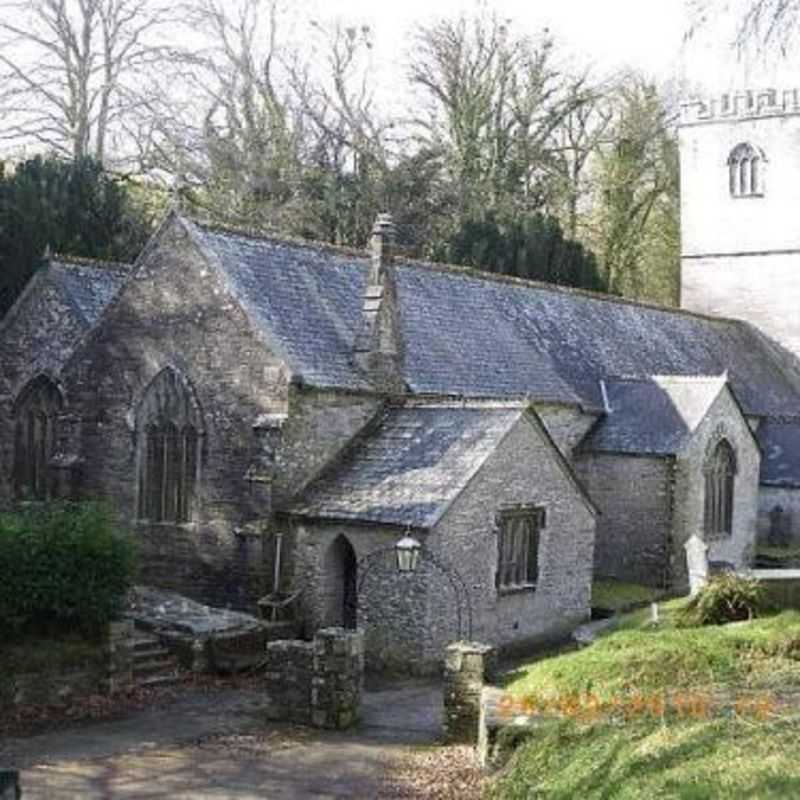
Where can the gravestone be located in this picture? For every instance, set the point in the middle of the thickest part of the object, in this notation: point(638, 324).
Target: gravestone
point(696, 563)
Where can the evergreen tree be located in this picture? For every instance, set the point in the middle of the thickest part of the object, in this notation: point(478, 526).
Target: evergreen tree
point(73, 207)
point(533, 247)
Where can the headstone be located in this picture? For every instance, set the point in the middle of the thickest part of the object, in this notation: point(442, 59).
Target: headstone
point(696, 563)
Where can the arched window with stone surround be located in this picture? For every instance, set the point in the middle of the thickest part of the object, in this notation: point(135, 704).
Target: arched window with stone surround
point(35, 418)
point(746, 171)
point(720, 474)
point(169, 430)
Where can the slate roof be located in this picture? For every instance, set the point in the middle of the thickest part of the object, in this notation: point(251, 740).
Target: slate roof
point(653, 416)
point(411, 465)
point(780, 453)
point(483, 336)
point(88, 286)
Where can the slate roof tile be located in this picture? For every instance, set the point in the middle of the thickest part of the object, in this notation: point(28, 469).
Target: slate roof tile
point(653, 416)
point(89, 286)
point(484, 336)
point(410, 466)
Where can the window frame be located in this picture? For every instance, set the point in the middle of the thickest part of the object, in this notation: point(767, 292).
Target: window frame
point(515, 553)
point(719, 499)
point(746, 171)
point(169, 452)
point(36, 414)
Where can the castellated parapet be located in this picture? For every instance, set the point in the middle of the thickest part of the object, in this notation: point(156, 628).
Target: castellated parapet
point(743, 105)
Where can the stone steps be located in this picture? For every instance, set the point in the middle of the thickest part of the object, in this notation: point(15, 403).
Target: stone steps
point(153, 664)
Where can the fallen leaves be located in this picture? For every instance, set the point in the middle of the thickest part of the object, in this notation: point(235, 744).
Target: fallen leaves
point(435, 773)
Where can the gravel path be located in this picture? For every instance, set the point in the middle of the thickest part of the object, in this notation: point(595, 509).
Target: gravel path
point(213, 745)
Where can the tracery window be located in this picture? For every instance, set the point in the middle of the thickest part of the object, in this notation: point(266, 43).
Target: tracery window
point(518, 548)
point(746, 171)
point(169, 435)
point(35, 416)
point(720, 472)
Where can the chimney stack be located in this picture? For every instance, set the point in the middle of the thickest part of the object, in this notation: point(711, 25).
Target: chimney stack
point(378, 346)
point(382, 244)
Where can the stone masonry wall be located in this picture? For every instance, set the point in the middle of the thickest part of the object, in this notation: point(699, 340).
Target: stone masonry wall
point(787, 499)
point(176, 312)
point(109, 672)
point(468, 666)
point(567, 425)
point(634, 495)
point(316, 682)
point(392, 607)
point(722, 419)
point(27, 330)
point(739, 254)
point(524, 469)
point(330, 420)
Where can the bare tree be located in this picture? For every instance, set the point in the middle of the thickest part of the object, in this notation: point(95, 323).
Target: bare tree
point(757, 23)
point(495, 101)
point(579, 137)
point(73, 71)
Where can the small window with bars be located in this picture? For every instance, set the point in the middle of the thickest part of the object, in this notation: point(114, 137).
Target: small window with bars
point(518, 548)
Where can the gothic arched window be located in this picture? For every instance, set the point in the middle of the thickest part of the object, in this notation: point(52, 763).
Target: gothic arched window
point(169, 429)
point(746, 171)
point(720, 473)
point(35, 415)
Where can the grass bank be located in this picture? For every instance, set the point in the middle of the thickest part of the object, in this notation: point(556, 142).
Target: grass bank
point(726, 753)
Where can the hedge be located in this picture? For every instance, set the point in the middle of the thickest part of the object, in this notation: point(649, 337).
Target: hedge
point(63, 566)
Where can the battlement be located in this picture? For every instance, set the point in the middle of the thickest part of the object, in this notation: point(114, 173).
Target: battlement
point(741, 105)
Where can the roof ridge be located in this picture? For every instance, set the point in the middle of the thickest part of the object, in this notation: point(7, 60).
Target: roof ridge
point(92, 263)
point(274, 236)
point(459, 402)
point(440, 266)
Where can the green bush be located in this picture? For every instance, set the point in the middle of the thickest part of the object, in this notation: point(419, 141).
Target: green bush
point(63, 566)
point(725, 598)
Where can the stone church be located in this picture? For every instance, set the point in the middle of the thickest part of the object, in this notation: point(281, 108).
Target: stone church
point(270, 416)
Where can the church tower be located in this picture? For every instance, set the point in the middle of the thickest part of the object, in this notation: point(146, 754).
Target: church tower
point(740, 210)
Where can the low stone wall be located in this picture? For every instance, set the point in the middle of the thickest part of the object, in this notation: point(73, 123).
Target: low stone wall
point(289, 672)
point(316, 682)
point(781, 586)
point(110, 672)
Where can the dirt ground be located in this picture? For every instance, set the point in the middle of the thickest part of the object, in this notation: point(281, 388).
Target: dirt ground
point(217, 744)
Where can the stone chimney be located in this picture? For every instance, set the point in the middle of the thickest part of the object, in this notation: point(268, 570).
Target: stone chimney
point(377, 346)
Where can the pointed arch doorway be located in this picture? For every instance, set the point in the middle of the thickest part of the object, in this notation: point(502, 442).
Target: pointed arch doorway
point(341, 583)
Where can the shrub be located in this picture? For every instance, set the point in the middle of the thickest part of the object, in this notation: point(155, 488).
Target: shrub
point(725, 598)
point(63, 566)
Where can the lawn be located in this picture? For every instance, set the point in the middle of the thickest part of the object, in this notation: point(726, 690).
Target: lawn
point(639, 657)
point(727, 751)
point(618, 596)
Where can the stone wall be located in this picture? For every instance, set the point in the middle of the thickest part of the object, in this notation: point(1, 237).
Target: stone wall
point(634, 495)
point(524, 469)
point(723, 419)
point(27, 349)
point(316, 682)
point(110, 672)
point(392, 608)
point(176, 313)
point(788, 529)
point(739, 254)
point(567, 425)
point(467, 667)
point(409, 619)
point(330, 420)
